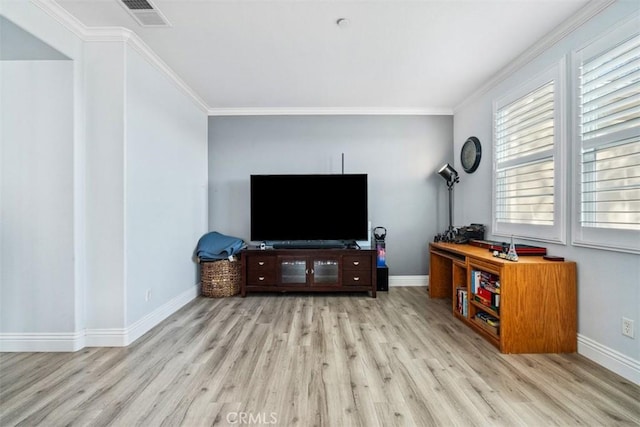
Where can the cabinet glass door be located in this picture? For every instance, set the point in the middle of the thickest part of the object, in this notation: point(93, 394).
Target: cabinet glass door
point(293, 271)
point(326, 272)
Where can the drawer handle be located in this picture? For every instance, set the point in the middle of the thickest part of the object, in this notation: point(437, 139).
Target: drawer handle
point(355, 279)
point(356, 262)
point(261, 278)
point(260, 262)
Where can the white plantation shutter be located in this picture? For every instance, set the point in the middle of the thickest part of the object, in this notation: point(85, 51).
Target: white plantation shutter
point(608, 140)
point(526, 147)
point(525, 194)
point(610, 92)
point(611, 186)
point(524, 157)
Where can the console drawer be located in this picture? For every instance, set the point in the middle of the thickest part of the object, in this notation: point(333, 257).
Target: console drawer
point(356, 277)
point(262, 263)
point(261, 277)
point(357, 262)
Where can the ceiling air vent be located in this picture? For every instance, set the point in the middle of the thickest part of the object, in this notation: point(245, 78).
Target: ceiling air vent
point(145, 13)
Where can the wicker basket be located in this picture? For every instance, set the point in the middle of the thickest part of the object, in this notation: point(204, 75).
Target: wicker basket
point(220, 278)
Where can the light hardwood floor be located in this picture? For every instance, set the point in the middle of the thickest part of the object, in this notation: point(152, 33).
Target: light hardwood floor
point(305, 360)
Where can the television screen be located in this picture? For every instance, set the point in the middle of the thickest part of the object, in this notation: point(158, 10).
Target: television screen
point(309, 207)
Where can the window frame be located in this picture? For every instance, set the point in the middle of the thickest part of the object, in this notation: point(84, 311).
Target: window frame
point(555, 233)
point(620, 240)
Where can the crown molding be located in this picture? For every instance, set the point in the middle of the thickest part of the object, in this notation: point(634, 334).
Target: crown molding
point(58, 13)
point(85, 33)
point(108, 34)
point(593, 8)
point(143, 49)
point(117, 34)
point(303, 111)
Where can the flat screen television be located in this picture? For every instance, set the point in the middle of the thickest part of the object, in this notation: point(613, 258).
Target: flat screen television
point(297, 208)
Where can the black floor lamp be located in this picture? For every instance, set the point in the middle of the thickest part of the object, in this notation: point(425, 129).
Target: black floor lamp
point(451, 176)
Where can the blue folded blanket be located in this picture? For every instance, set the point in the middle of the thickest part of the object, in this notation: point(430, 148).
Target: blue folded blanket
point(214, 246)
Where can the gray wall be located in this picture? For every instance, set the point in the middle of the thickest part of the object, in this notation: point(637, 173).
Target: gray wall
point(399, 153)
point(608, 282)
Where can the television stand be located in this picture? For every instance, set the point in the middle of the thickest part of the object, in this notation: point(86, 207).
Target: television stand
point(308, 270)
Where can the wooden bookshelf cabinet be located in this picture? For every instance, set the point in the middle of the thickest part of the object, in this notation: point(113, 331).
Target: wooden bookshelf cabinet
point(308, 270)
point(537, 299)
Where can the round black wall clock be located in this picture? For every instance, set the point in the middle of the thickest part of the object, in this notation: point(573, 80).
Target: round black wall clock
point(471, 154)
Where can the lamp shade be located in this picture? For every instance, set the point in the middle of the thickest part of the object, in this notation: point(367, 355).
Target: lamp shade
point(448, 172)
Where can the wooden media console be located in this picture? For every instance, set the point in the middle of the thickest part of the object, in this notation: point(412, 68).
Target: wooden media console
point(308, 270)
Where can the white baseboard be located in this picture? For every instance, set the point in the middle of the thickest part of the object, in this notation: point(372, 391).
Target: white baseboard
point(43, 341)
point(126, 336)
point(74, 341)
point(111, 337)
point(148, 322)
point(611, 359)
point(417, 280)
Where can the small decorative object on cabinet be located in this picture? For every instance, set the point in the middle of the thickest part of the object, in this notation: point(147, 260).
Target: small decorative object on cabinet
point(529, 306)
point(308, 270)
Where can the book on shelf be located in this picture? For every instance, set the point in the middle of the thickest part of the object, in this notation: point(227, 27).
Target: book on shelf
point(492, 303)
point(483, 279)
point(481, 300)
point(485, 293)
point(484, 324)
point(475, 281)
point(462, 303)
point(465, 303)
point(487, 318)
point(491, 287)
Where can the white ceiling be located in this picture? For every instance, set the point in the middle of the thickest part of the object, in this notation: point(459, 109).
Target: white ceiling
point(278, 55)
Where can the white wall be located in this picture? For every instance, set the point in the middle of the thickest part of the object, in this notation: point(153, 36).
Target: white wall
point(401, 155)
point(42, 283)
point(105, 121)
point(166, 181)
point(146, 201)
point(36, 233)
point(608, 282)
point(95, 147)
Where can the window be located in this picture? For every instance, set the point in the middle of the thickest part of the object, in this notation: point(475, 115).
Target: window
point(607, 135)
point(528, 149)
